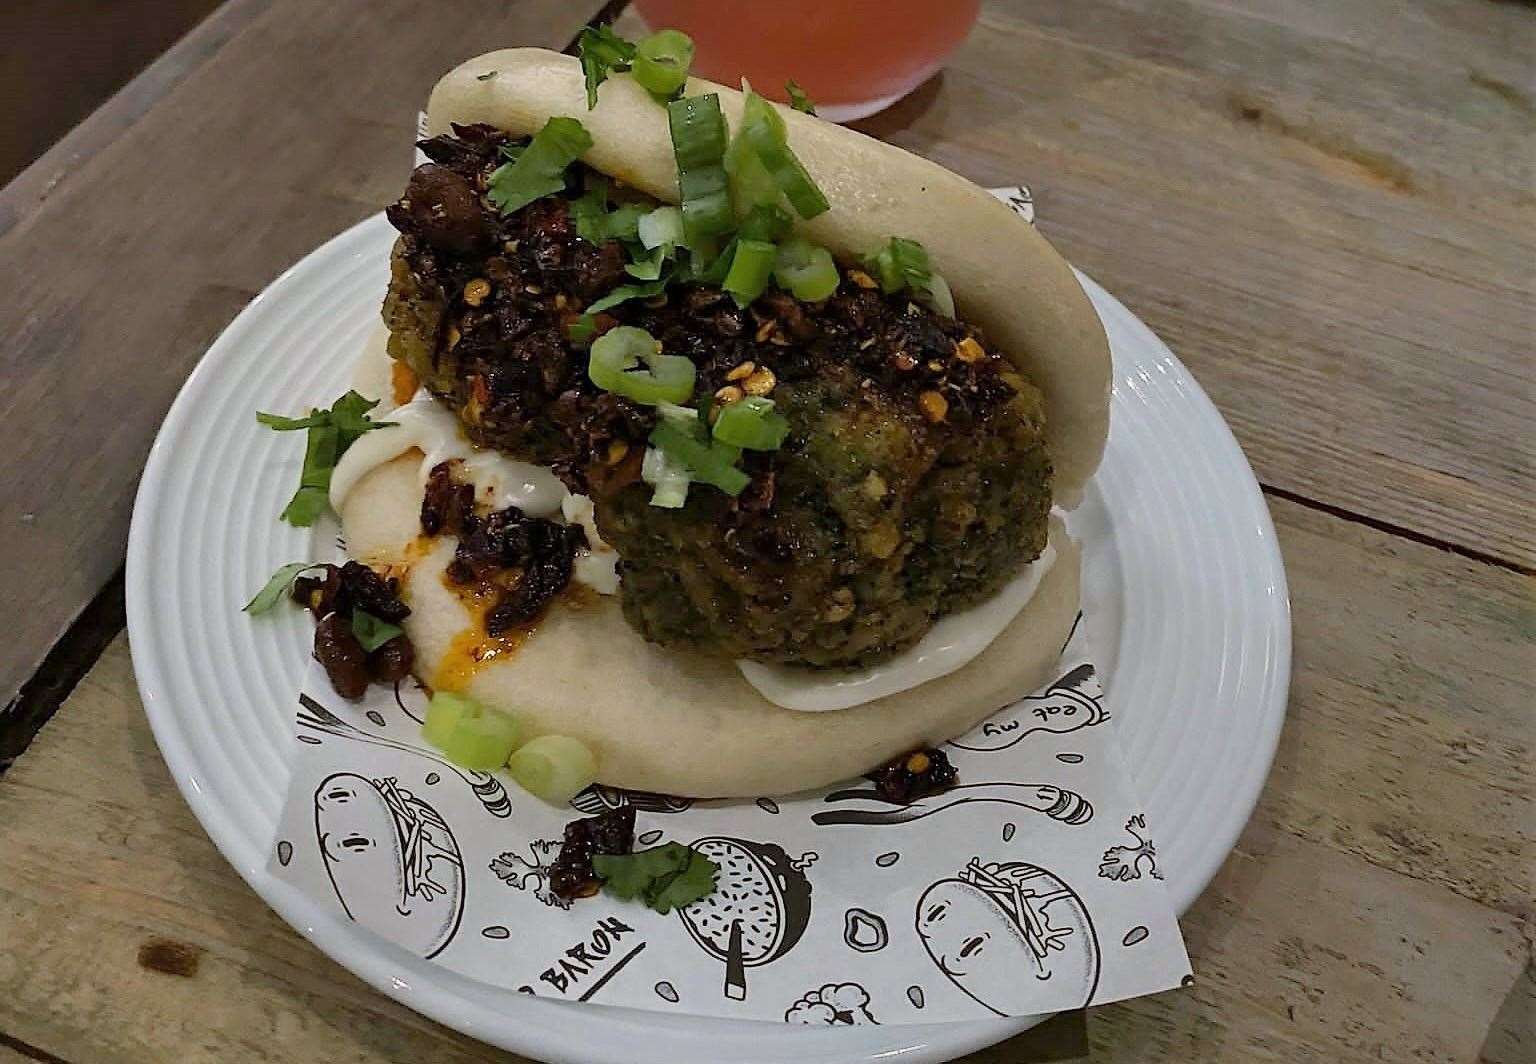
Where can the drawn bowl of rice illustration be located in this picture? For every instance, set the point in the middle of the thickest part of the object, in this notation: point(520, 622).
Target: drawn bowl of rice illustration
point(758, 911)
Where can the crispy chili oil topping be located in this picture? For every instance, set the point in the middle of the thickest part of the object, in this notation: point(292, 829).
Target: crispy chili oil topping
point(914, 775)
point(334, 597)
point(525, 561)
point(613, 834)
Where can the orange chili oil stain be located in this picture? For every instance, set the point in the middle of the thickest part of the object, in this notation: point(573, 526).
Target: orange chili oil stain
point(402, 382)
point(473, 648)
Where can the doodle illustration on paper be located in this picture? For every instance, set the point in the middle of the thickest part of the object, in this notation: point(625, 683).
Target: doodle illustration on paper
point(600, 799)
point(993, 922)
point(486, 788)
point(531, 873)
point(1058, 803)
point(1071, 703)
point(373, 832)
point(865, 931)
point(758, 911)
point(833, 1005)
point(1123, 863)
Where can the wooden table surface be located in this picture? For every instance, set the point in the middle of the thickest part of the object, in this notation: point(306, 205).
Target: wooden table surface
point(1327, 210)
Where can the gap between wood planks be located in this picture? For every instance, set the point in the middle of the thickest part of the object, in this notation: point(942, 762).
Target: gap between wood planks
point(31, 1052)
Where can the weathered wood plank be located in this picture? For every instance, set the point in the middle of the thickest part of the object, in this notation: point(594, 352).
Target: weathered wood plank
point(125, 937)
point(119, 269)
point(1392, 847)
point(1327, 210)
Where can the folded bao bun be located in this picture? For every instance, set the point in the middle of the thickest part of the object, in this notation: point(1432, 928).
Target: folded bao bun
point(688, 724)
point(1006, 278)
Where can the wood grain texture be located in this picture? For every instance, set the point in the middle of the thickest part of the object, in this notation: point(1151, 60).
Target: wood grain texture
point(1326, 210)
point(1393, 848)
point(121, 264)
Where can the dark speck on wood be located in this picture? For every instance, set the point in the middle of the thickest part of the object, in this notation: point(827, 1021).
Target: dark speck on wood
point(170, 957)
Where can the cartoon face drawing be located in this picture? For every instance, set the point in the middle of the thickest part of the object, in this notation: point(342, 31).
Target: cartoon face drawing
point(391, 859)
point(999, 932)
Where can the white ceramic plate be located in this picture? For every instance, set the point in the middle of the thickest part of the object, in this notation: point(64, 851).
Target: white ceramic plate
point(1182, 577)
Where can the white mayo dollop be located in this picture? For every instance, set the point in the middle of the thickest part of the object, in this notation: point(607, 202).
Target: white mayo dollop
point(597, 568)
point(501, 481)
point(952, 642)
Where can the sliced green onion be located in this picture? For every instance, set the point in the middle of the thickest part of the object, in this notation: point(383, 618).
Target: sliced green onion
point(553, 767)
point(670, 479)
point(709, 464)
point(940, 298)
point(765, 221)
point(900, 264)
point(661, 228)
point(540, 170)
point(372, 632)
point(647, 267)
point(614, 367)
point(798, 98)
point(580, 329)
point(273, 591)
point(805, 270)
point(626, 292)
point(684, 417)
point(698, 144)
point(751, 266)
point(749, 180)
point(661, 62)
point(763, 129)
point(469, 734)
point(711, 270)
point(601, 51)
point(751, 423)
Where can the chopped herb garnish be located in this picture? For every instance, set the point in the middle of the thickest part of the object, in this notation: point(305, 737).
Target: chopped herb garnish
point(540, 170)
point(661, 63)
point(664, 878)
point(274, 589)
point(647, 267)
point(331, 432)
point(602, 51)
point(798, 99)
point(489, 74)
point(371, 632)
point(630, 291)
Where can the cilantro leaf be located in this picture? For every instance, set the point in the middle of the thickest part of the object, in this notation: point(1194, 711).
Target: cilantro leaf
point(539, 170)
point(663, 878)
point(372, 632)
point(798, 99)
point(331, 432)
point(602, 51)
point(274, 589)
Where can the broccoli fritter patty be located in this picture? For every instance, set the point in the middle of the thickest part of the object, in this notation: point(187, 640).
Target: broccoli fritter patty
point(914, 482)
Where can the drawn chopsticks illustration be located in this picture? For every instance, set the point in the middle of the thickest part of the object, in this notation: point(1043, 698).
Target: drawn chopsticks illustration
point(735, 966)
point(1067, 807)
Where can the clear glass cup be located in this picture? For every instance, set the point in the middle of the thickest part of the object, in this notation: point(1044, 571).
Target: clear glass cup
point(853, 57)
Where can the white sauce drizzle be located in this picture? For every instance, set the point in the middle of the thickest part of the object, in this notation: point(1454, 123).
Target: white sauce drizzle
point(501, 481)
point(596, 567)
point(951, 643)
